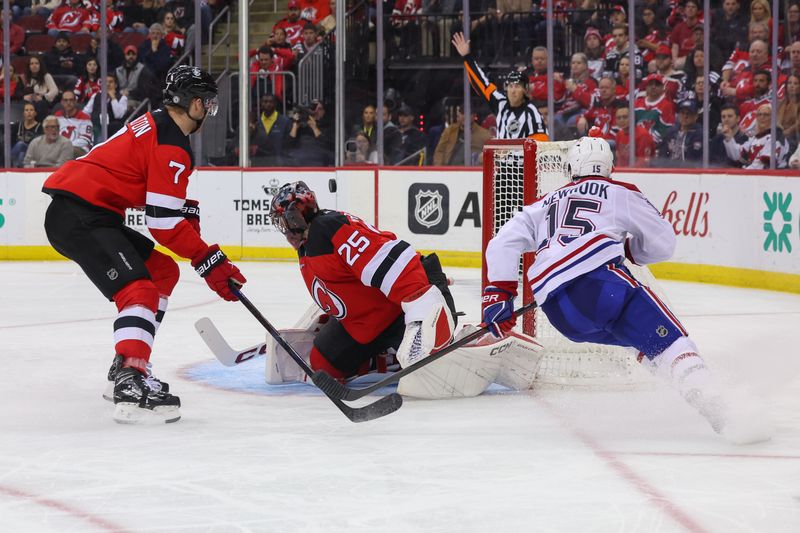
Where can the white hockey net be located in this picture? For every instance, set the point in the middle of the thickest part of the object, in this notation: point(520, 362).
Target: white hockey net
point(515, 173)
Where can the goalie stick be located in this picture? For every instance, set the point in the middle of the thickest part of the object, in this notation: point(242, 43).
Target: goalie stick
point(220, 347)
point(382, 407)
point(334, 389)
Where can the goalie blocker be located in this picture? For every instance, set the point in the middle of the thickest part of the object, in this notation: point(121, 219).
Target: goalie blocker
point(511, 362)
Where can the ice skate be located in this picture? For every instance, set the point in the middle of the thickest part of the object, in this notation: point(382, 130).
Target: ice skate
point(154, 382)
point(738, 424)
point(137, 401)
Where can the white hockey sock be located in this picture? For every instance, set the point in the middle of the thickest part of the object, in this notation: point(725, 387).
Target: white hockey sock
point(683, 367)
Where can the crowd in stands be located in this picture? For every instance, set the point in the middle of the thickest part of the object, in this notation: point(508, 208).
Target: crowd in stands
point(54, 71)
point(55, 82)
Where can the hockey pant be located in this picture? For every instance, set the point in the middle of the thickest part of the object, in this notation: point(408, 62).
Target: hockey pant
point(122, 264)
point(608, 306)
point(339, 354)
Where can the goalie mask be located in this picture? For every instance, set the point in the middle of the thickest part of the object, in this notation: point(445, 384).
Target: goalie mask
point(590, 156)
point(292, 209)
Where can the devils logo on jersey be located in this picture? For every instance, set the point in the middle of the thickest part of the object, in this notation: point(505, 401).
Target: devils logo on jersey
point(328, 301)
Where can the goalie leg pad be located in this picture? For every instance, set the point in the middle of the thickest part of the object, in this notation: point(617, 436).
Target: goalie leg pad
point(466, 372)
point(520, 363)
point(429, 326)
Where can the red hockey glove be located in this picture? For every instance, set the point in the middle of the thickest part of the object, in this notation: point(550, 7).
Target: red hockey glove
point(498, 307)
point(215, 268)
point(191, 212)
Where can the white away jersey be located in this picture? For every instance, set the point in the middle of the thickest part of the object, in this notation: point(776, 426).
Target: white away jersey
point(577, 228)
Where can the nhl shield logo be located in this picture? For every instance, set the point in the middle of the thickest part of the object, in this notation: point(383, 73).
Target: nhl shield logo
point(112, 274)
point(428, 208)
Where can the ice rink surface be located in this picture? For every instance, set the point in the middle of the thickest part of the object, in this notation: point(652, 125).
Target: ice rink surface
point(248, 457)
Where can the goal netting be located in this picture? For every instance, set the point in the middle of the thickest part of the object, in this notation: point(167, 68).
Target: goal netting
point(516, 172)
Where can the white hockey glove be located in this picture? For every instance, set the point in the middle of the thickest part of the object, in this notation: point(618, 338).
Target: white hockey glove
point(429, 326)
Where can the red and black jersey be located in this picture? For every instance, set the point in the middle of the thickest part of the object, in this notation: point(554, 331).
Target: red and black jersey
point(145, 164)
point(358, 274)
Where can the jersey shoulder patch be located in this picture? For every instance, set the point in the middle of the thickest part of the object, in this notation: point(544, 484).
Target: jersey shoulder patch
point(322, 230)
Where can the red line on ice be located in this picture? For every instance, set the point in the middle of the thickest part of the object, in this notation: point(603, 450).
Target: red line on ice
point(101, 523)
point(657, 498)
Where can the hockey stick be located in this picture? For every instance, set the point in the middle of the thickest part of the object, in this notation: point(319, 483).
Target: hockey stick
point(220, 347)
point(382, 407)
point(334, 389)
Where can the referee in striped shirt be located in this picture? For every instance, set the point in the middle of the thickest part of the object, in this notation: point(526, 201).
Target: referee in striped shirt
point(517, 117)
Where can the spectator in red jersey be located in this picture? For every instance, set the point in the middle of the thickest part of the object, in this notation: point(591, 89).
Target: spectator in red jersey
point(600, 114)
point(70, 17)
point(762, 94)
point(755, 153)
point(595, 52)
point(738, 60)
point(674, 80)
point(623, 76)
point(16, 36)
point(88, 84)
point(281, 48)
point(405, 28)
point(74, 124)
point(655, 111)
point(645, 145)
point(742, 87)
point(293, 24)
point(580, 87)
point(650, 34)
point(115, 20)
point(681, 36)
point(14, 85)
point(174, 36)
point(261, 82)
point(154, 52)
point(314, 10)
point(537, 78)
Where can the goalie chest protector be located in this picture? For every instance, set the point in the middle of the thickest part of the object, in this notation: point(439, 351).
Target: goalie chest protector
point(352, 269)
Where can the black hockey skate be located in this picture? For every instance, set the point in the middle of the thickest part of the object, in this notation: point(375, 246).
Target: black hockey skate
point(136, 401)
point(116, 365)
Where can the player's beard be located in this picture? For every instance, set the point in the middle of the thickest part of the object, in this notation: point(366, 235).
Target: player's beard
point(197, 123)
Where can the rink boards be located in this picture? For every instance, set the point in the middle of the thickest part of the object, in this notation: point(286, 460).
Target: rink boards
point(732, 228)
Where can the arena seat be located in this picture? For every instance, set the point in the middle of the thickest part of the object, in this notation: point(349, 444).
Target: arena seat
point(39, 44)
point(33, 23)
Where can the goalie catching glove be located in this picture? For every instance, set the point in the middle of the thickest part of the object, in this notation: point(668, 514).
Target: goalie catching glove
point(498, 307)
point(429, 325)
point(215, 268)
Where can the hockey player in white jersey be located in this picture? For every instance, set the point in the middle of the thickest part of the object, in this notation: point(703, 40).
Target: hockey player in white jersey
point(581, 234)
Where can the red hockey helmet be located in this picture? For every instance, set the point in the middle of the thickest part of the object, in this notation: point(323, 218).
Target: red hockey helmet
point(293, 207)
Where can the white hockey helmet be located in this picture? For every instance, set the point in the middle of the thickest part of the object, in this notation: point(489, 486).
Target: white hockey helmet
point(590, 156)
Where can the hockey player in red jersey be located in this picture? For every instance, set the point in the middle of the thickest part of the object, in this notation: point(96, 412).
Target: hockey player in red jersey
point(377, 291)
point(146, 165)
